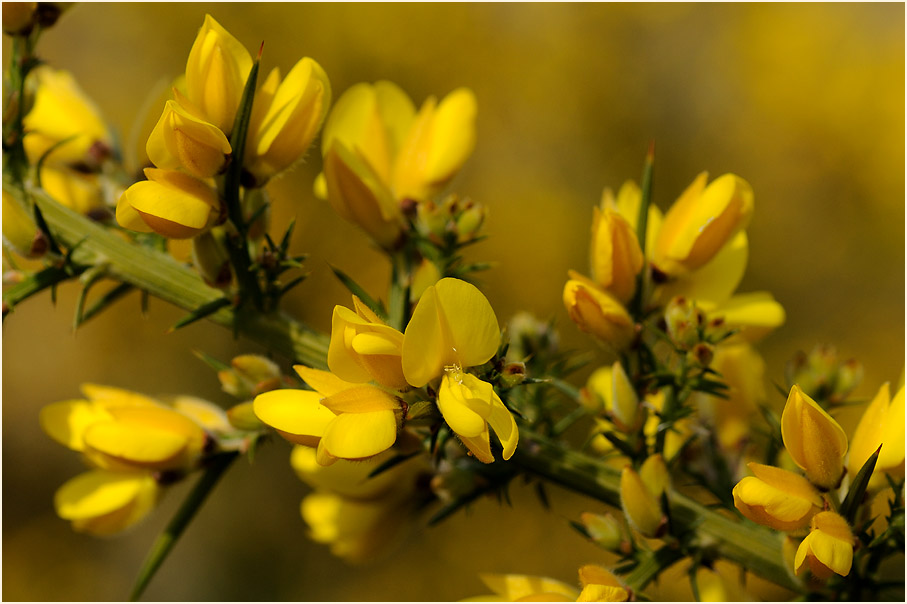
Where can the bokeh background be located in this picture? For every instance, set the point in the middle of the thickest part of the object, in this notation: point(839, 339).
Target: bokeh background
point(805, 101)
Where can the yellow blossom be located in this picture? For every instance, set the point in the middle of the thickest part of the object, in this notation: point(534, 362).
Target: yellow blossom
point(216, 74)
point(169, 203)
point(62, 112)
point(828, 549)
point(641, 502)
point(815, 441)
point(378, 152)
point(777, 498)
point(78, 191)
point(627, 203)
point(183, 140)
point(120, 430)
point(598, 585)
point(286, 117)
point(625, 408)
point(102, 502)
point(364, 348)
point(615, 255)
point(343, 420)
point(882, 424)
point(598, 313)
point(701, 222)
point(452, 328)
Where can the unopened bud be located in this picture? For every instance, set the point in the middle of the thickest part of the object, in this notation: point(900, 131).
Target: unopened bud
point(702, 354)
point(682, 322)
point(19, 17)
point(211, 260)
point(250, 376)
point(513, 374)
point(242, 417)
point(604, 530)
point(469, 222)
point(625, 407)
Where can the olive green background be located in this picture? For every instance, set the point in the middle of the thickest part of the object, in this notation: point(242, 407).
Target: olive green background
point(806, 102)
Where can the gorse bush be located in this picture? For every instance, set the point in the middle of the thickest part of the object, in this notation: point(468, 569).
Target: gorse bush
point(422, 399)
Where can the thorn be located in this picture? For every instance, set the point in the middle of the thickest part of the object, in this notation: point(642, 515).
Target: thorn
point(260, 50)
point(650, 154)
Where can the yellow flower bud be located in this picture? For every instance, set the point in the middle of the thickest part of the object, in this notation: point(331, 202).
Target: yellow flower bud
point(627, 203)
point(242, 417)
point(19, 229)
point(598, 313)
point(828, 549)
point(701, 221)
point(169, 203)
point(625, 407)
point(101, 502)
point(815, 441)
point(882, 424)
point(364, 348)
point(211, 259)
point(615, 255)
point(183, 140)
point(641, 505)
point(250, 375)
point(61, 112)
point(604, 530)
point(777, 498)
point(285, 119)
point(216, 74)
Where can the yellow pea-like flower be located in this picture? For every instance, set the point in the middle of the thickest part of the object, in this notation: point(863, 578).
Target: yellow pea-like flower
point(170, 203)
point(216, 74)
point(343, 420)
point(123, 431)
point(598, 313)
point(814, 440)
point(379, 152)
point(640, 502)
point(615, 255)
point(183, 140)
point(598, 585)
point(286, 117)
point(62, 112)
point(701, 222)
point(753, 315)
point(102, 502)
point(777, 498)
point(882, 424)
point(626, 203)
point(78, 191)
point(604, 529)
point(364, 348)
point(625, 407)
point(346, 478)
point(828, 549)
point(19, 229)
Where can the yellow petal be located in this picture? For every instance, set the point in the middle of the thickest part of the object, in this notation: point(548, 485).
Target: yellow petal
point(479, 445)
point(113, 396)
point(66, 421)
point(425, 348)
point(514, 587)
point(360, 435)
point(716, 280)
point(598, 313)
point(102, 503)
point(295, 412)
point(504, 426)
point(473, 326)
point(615, 255)
point(348, 478)
point(206, 414)
point(882, 424)
point(639, 505)
point(360, 399)
point(182, 140)
point(754, 314)
point(324, 382)
point(453, 136)
point(815, 441)
point(603, 593)
point(461, 405)
point(173, 204)
point(134, 443)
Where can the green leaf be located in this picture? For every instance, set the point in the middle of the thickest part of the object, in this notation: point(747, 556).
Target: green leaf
point(358, 291)
point(201, 312)
point(858, 487)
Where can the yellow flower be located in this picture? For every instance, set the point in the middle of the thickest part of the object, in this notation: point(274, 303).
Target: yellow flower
point(378, 152)
point(615, 255)
point(598, 313)
point(753, 314)
point(598, 585)
point(183, 140)
point(603, 529)
point(640, 495)
point(882, 424)
point(101, 502)
point(625, 408)
point(357, 515)
point(701, 222)
point(19, 229)
point(828, 549)
point(169, 203)
point(364, 348)
point(286, 117)
point(452, 328)
point(63, 112)
point(123, 431)
point(815, 441)
point(343, 420)
point(78, 191)
point(216, 74)
point(777, 498)
point(627, 203)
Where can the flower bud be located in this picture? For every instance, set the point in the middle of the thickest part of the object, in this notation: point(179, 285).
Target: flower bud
point(777, 498)
point(19, 17)
point(616, 258)
point(20, 231)
point(250, 375)
point(828, 549)
point(169, 203)
point(701, 221)
point(285, 119)
point(604, 530)
point(182, 140)
point(364, 348)
point(513, 374)
point(216, 74)
point(211, 259)
point(469, 221)
point(598, 313)
point(640, 505)
point(882, 424)
point(682, 321)
point(625, 408)
point(242, 417)
point(815, 441)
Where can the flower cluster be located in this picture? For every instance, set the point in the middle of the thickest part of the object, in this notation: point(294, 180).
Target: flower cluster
point(597, 585)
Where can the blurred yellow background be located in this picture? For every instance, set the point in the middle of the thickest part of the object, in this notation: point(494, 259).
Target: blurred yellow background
point(805, 101)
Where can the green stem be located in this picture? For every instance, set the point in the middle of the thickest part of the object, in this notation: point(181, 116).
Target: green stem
point(166, 540)
point(652, 564)
point(163, 277)
point(37, 282)
point(755, 548)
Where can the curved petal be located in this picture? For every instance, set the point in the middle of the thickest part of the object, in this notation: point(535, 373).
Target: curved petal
point(460, 416)
point(425, 345)
point(99, 492)
point(134, 443)
point(504, 426)
point(360, 399)
point(297, 412)
point(66, 421)
point(360, 435)
point(472, 324)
